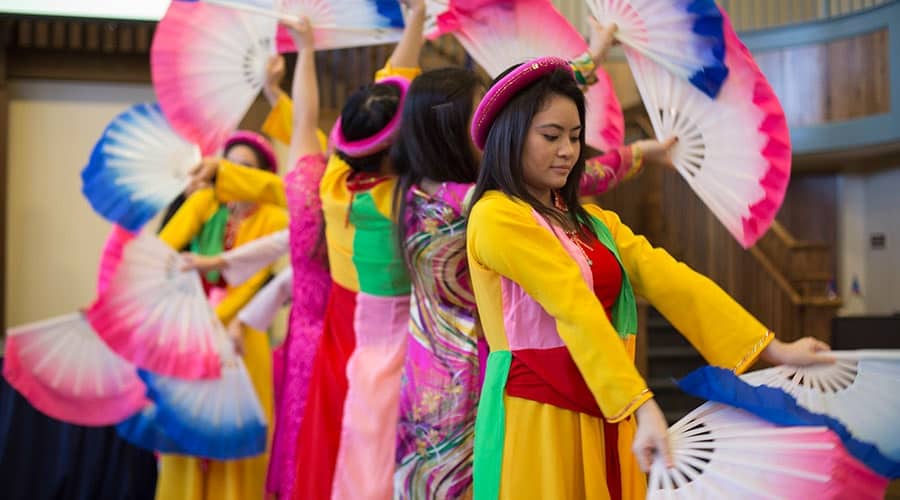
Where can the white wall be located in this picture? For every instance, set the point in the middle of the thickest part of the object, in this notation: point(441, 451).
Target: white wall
point(882, 292)
point(852, 242)
point(54, 238)
point(867, 205)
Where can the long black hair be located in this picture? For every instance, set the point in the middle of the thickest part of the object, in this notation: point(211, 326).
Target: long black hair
point(367, 112)
point(501, 164)
point(434, 139)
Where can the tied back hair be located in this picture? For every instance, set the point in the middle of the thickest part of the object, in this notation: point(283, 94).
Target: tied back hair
point(501, 164)
point(434, 139)
point(367, 112)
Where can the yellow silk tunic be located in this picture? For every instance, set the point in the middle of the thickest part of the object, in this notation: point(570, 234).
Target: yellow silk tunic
point(183, 477)
point(550, 452)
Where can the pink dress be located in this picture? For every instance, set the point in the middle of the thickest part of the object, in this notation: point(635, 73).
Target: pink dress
point(310, 293)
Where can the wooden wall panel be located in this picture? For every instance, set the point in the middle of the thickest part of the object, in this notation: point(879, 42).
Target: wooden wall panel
point(838, 81)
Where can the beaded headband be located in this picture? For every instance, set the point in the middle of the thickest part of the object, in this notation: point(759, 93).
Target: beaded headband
point(258, 143)
point(504, 90)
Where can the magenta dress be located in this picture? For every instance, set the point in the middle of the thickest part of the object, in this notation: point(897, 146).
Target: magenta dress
point(310, 294)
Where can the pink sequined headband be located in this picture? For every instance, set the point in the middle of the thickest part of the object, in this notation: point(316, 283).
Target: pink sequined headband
point(383, 138)
point(501, 92)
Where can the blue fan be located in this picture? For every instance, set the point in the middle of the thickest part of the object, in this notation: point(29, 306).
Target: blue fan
point(683, 36)
point(219, 418)
point(143, 430)
point(779, 407)
point(139, 165)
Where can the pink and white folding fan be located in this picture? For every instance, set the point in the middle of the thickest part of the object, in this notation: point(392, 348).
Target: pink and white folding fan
point(501, 34)
point(154, 314)
point(723, 452)
point(683, 36)
point(208, 64)
point(64, 370)
point(340, 24)
point(859, 389)
point(336, 23)
point(734, 151)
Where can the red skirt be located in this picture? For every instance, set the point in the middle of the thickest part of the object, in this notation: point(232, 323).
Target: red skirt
point(320, 431)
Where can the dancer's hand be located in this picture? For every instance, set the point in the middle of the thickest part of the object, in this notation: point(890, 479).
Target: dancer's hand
point(274, 75)
point(235, 334)
point(414, 5)
point(202, 174)
point(803, 352)
point(656, 153)
point(652, 436)
point(601, 39)
point(301, 32)
point(202, 263)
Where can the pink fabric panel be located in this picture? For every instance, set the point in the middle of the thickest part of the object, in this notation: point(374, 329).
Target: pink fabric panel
point(365, 461)
point(528, 326)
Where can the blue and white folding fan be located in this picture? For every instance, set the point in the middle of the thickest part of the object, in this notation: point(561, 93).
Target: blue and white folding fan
point(218, 418)
point(143, 430)
point(139, 165)
point(859, 390)
point(683, 36)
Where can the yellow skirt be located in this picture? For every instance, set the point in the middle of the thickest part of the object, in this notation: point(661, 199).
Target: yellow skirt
point(552, 453)
point(184, 478)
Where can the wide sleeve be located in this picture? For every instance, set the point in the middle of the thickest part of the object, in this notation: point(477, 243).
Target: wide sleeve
point(504, 237)
point(189, 219)
point(604, 172)
point(246, 260)
point(275, 220)
point(388, 71)
point(278, 121)
point(714, 323)
point(260, 311)
point(238, 183)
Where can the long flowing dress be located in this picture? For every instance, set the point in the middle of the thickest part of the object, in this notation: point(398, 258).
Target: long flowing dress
point(555, 419)
point(442, 373)
point(187, 477)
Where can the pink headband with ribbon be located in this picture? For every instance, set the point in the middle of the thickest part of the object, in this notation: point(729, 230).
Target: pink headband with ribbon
point(504, 90)
point(383, 138)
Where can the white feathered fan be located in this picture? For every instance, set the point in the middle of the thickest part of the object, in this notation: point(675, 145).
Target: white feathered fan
point(151, 312)
point(723, 452)
point(733, 151)
point(683, 36)
point(208, 64)
point(64, 370)
point(859, 389)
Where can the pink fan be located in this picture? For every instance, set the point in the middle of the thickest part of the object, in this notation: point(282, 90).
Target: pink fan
point(734, 151)
point(208, 64)
point(724, 452)
point(63, 368)
point(501, 34)
point(152, 313)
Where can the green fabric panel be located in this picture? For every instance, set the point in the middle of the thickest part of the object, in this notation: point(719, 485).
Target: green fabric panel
point(211, 240)
point(490, 427)
point(624, 313)
point(378, 262)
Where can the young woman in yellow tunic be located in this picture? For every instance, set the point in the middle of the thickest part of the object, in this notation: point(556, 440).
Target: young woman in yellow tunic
point(209, 225)
point(563, 405)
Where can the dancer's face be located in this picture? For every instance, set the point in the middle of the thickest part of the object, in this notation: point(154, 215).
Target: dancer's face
point(243, 155)
point(552, 146)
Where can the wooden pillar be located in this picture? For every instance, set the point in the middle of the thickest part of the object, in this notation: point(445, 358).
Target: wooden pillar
point(5, 26)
